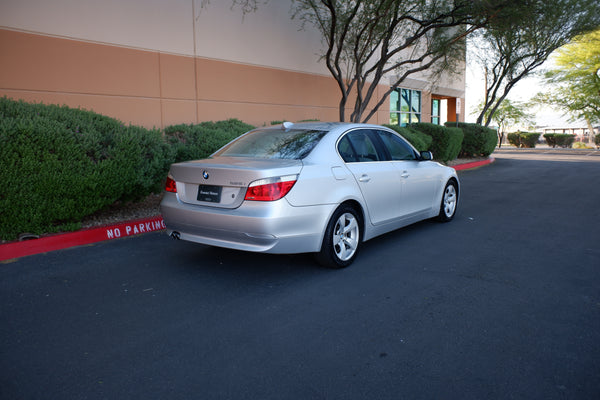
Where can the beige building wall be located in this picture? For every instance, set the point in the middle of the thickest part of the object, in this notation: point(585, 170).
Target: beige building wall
point(159, 25)
point(157, 63)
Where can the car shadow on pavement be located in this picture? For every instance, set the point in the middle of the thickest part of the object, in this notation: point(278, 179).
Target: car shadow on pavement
point(198, 257)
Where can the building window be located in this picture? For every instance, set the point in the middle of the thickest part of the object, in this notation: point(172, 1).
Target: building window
point(435, 111)
point(405, 106)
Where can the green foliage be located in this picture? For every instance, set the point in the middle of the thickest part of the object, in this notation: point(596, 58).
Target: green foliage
point(521, 36)
point(59, 164)
point(574, 84)
point(363, 40)
point(559, 139)
point(508, 113)
point(523, 139)
point(581, 145)
point(421, 141)
point(529, 139)
point(446, 143)
point(192, 142)
point(478, 140)
point(513, 138)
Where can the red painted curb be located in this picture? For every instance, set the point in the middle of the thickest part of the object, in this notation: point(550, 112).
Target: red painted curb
point(85, 236)
point(474, 164)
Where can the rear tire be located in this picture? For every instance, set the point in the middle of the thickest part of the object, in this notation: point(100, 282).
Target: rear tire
point(341, 240)
point(449, 202)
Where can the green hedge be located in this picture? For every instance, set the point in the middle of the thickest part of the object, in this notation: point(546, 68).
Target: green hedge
point(513, 138)
point(446, 143)
point(559, 139)
point(479, 141)
point(421, 141)
point(192, 142)
point(523, 139)
point(59, 164)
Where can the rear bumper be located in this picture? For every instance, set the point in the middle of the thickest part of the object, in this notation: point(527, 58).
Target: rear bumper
point(269, 227)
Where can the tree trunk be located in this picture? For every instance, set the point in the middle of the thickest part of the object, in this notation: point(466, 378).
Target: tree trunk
point(591, 135)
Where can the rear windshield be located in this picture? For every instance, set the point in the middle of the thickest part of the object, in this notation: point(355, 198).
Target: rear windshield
point(289, 144)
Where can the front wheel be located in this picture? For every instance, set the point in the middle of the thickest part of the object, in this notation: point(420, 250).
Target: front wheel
point(341, 239)
point(449, 202)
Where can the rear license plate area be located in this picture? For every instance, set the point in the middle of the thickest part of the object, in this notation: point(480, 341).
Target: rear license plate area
point(209, 193)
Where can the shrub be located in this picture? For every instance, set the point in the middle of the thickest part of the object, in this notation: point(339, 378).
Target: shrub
point(564, 140)
point(479, 141)
point(550, 141)
point(529, 139)
point(523, 139)
point(559, 139)
point(59, 164)
point(597, 139)
point(581, 145)
point(419, 140)
point(192, 142)
point(513, 138)
point(446, 141)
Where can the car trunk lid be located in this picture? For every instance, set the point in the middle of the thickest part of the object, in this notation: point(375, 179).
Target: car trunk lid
point(223, 181)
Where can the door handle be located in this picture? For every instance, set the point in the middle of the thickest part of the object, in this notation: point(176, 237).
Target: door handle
point(364, 178)
point(405, 174)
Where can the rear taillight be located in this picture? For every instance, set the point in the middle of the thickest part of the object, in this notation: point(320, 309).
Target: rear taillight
point(270, 189)
point(171, 185)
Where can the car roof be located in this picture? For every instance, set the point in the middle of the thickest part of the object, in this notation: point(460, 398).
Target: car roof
point(325, 126)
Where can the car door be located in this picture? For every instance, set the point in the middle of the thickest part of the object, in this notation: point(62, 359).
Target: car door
point(377, 178)
point(418, 179)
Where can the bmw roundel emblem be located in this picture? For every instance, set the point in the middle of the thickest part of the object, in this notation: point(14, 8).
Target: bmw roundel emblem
point(205, 174)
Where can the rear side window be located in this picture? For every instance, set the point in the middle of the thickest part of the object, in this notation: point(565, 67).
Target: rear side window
point(396, 146)
point(346, 151)
point(274, 143)
point(357, 146)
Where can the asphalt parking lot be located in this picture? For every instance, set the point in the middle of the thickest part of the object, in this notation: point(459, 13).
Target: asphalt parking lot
point(501, 303)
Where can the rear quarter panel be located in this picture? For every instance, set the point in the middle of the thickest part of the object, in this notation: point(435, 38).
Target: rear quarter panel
point(324, 184)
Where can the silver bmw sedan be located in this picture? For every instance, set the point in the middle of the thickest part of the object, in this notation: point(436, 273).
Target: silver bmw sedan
point(321, 188)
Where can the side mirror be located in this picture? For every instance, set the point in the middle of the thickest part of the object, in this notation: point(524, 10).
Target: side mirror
point(426, 156)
